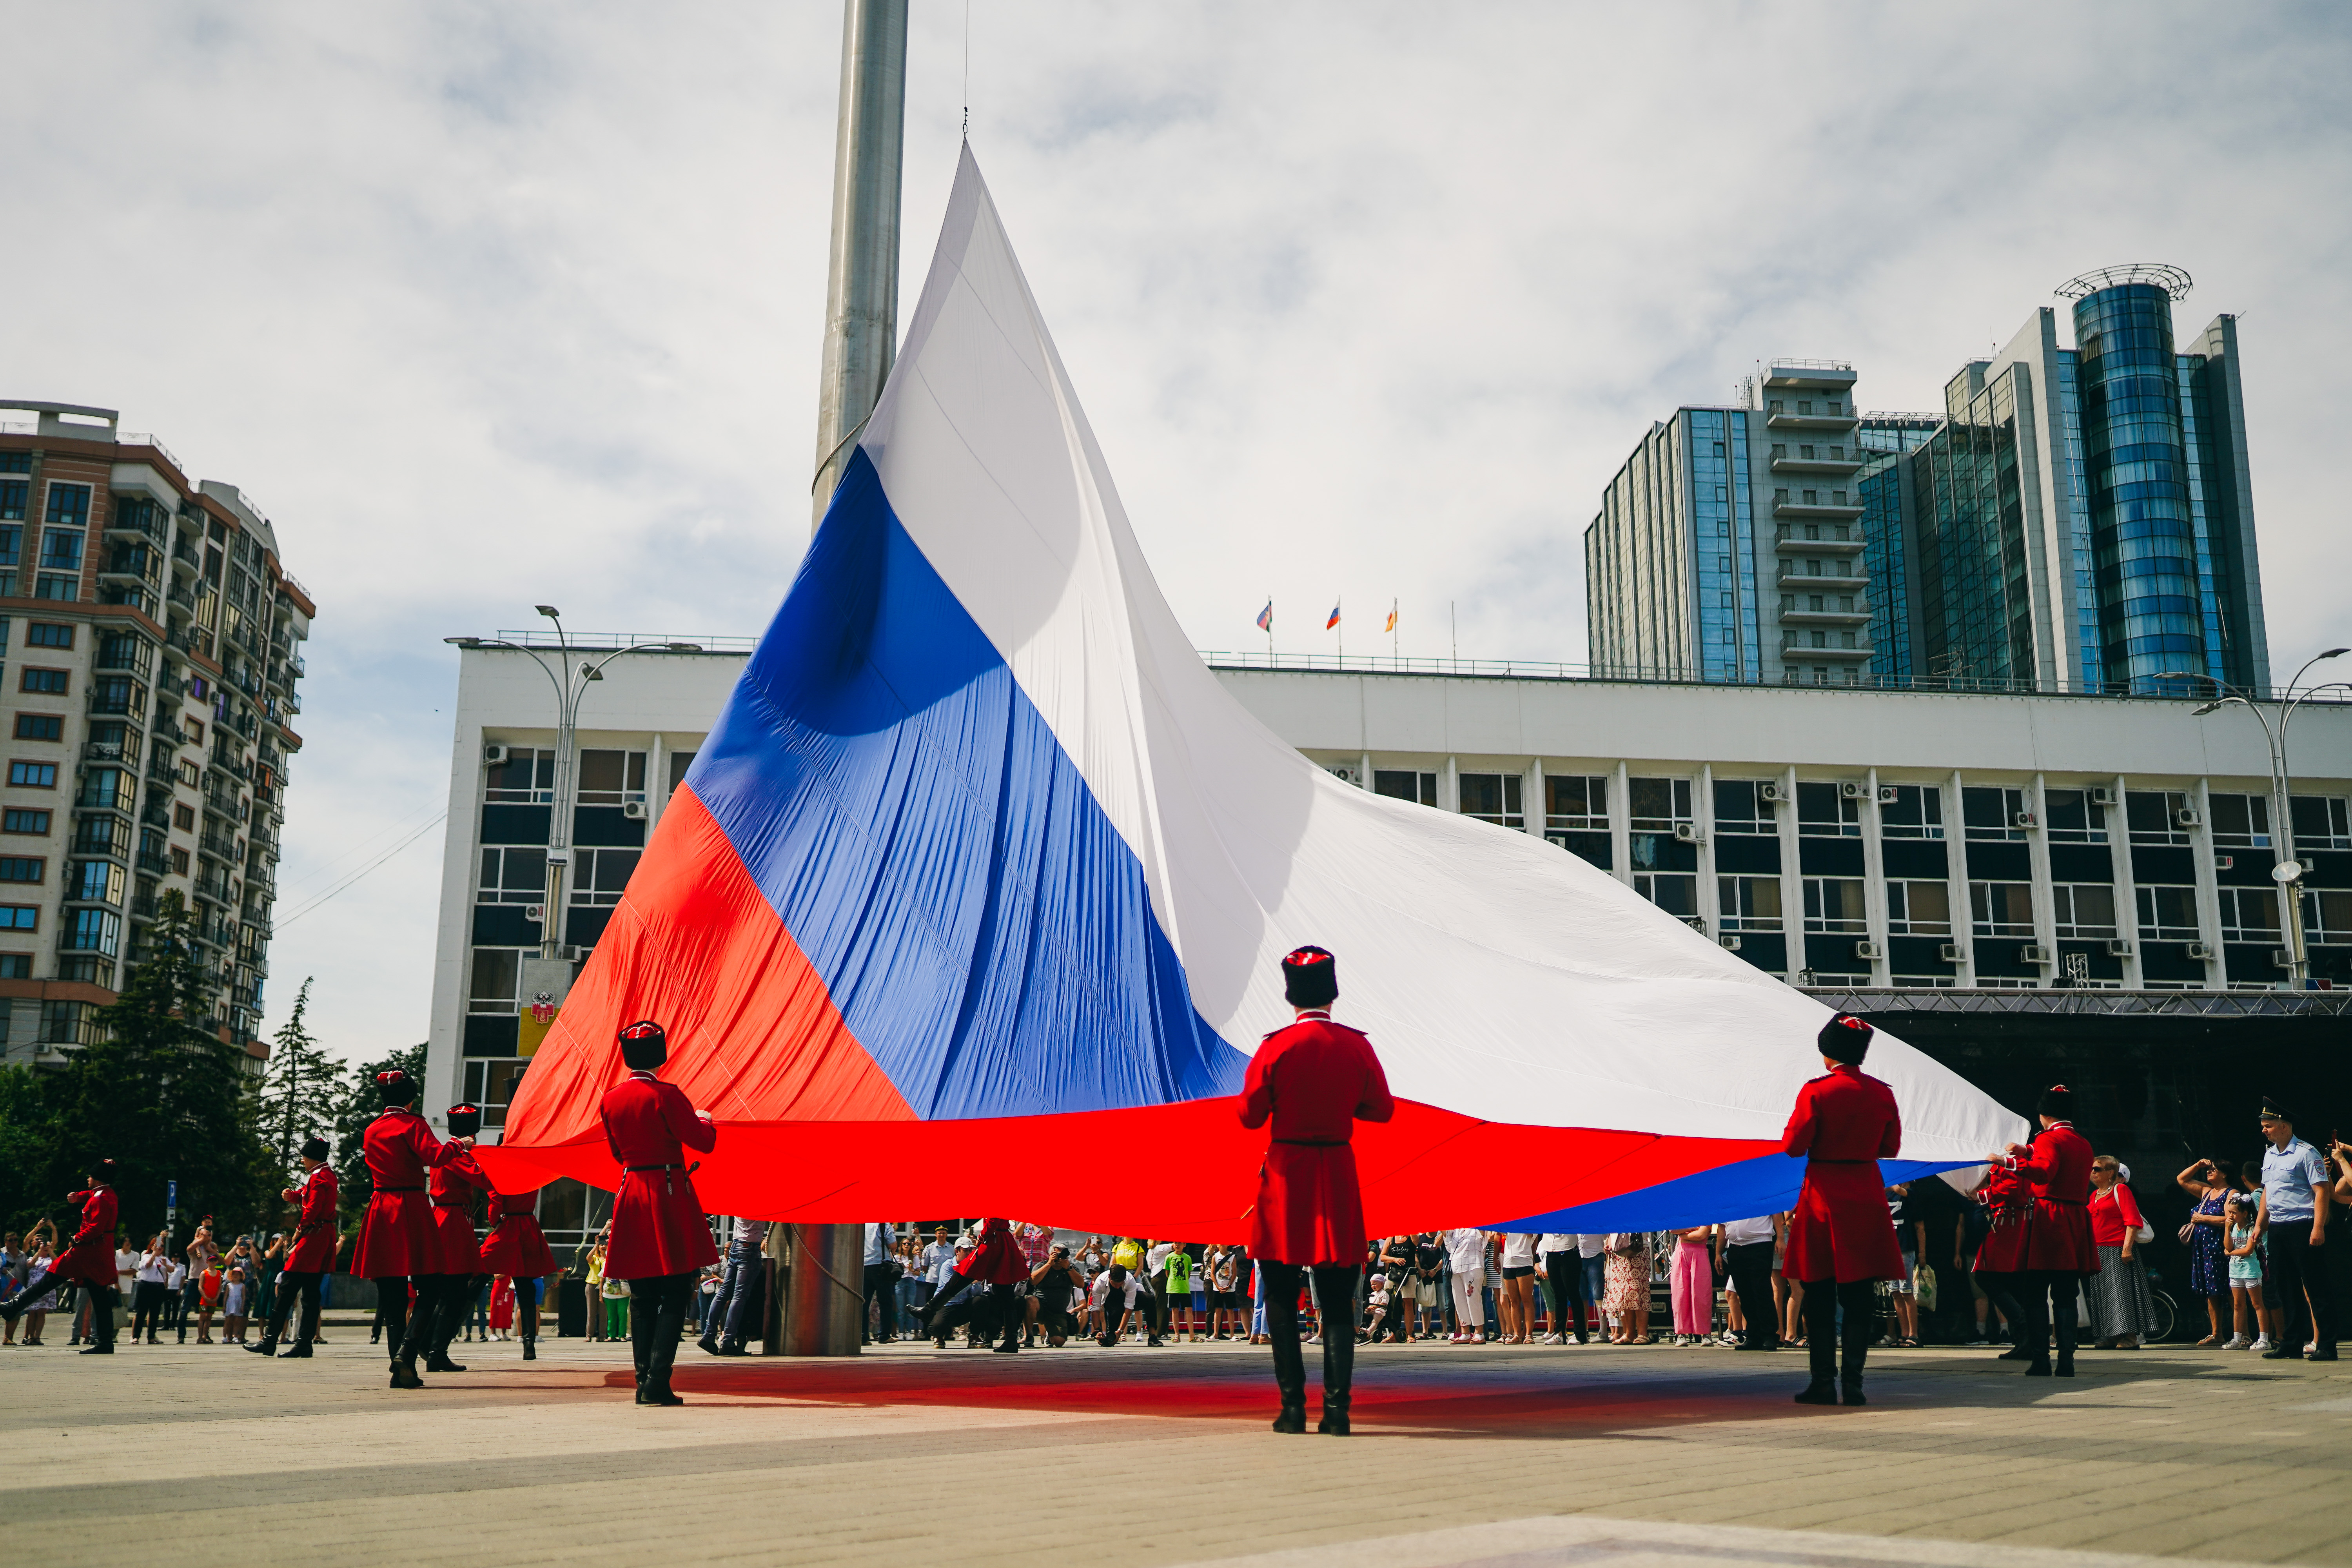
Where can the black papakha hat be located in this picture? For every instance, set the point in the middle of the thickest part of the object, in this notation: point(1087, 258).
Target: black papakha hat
point(2057, 1102)
point(396, 1087)
point(465, 1120)
point(1310, 977)
point(314, 1148)
point(643, 1046)
point(1845, 1038)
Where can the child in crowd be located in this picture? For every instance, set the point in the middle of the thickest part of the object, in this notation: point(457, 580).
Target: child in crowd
point(2245, 1251)
point(208, 1295)
point(233, 1291)
point(1379, 1302)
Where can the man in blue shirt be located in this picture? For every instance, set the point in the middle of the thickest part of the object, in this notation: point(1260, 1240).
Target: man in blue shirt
point(2292, 1212)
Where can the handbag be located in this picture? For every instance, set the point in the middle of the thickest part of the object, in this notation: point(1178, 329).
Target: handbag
point(2147, 1233)
point(1924, 1287)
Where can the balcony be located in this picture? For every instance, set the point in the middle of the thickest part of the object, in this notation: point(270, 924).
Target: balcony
point(1816, 510)
point(219, 847)
point(1820, 464)
point(179, 598)
point(184, 560)
point(154, 865)
point(1823, 583)
point(135, 563)
point(123, 701)
point(1804, 617)
point(1830, 374)
point(135, 520)
point(1786, 542)
point(1793, 652)
point(1833, 424)
point(108, 751)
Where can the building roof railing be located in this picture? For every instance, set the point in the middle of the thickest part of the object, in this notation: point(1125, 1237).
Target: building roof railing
point(1809, 363)
point(1899, 417)
point(593, 642)
point(2082, 1000)
point(2173, 280)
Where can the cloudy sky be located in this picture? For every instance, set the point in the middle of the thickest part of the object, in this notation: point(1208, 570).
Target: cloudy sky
point(494, 305)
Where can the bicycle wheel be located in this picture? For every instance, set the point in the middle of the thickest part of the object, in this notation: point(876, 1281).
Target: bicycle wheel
point(2167, 1316)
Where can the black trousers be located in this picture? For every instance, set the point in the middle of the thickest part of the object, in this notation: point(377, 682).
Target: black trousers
point(1334, 1283)
point(410, 1333)
point(459, 1293)
point(1858, 1298)
point(881, 1291)
point(657, 1308)
point(2000, 1289)
point(1751, 1276)
point(2049, 1299)
point(290, 1287)
point(2297, 1267)
point(148, 1301)
point(103, 1301)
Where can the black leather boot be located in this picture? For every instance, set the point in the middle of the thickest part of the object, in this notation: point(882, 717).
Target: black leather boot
point(1820, 1348)
point(265, 1345)
point(1290, 1384)
point(403, 1373)
point(299, 1350)
point(1858, 1329)
point(2067, 1327)
point(1339, 1380)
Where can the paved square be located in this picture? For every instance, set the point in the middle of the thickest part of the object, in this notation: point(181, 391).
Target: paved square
point(199, 1455)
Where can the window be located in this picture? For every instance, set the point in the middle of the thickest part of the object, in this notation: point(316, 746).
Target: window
point(103, 789)
point(190, 774)
point(1677, 894)
point(2154, 815)
point(1804, 405)
point(16, 966)
point(1577, 801)
point(1749, 903)
point(1403, 783)
point(601, 876)
point(1826, 811)
point(1992, 814)
point(2002, 908)
point(1834, 904)
point(183, 816)
point(612, 778)
point(21, 868)
point(19, 917)
point(60, 551)
point(1493, 798)
point(179, 862)
point(1806, 453)
point(193, 728)
point(2073, 818)
point(2241, 820)
point(2167, 914)
point(2327, 915)
point(513, 877)
point(527, 775)
point(12, 501)
point(24, 821)
point(70, 509)
point(496, 971)
point(679, 762)
point(48, 682)
point(1916, 812)
point(40, 727)
point(33, 775)
point(94, 882)
point(1658, 805)
point(1919, 909)
point(11, 537)
point(1780, 450)
point(94, 931)
point(44, 634)
point(1740, 808)
point(2084, 909)
point(1813, 498)
point(2249, 914)
point(2319, 822)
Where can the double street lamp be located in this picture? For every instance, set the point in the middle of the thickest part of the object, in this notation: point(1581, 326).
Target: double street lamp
point(571, 681)
point(2288, 872)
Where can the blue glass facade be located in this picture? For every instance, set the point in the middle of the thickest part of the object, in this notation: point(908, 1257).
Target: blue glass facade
point(1726, 595)
point(2136, 482)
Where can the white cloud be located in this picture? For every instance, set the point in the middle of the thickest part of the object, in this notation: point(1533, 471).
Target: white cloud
point(490, 307)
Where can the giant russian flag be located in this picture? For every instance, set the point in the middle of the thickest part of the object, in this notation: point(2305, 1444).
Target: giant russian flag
point(973, 899)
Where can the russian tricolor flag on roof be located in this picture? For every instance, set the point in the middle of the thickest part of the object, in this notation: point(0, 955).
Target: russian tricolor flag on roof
point(974, 898)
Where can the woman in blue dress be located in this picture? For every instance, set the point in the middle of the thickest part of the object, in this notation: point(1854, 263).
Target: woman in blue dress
point(2210, 1181)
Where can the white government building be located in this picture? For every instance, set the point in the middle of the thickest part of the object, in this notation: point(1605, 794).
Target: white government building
point(1843, 840)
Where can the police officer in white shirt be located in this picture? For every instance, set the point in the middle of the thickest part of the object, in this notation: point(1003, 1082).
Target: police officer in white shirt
point(2292, 1212)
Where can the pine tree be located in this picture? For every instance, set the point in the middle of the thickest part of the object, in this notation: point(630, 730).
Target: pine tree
point(303, 1092)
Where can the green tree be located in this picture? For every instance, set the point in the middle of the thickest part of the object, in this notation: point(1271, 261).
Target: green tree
point(303, 1092)
point(162, 1095)
point(361, 1104)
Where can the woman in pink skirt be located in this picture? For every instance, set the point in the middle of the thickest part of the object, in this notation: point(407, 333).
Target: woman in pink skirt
point(1693, 1282)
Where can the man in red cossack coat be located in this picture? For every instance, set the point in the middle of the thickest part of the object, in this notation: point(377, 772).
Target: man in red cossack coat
point(2058, 1254)
point(661, 1240)
point(1313, 1081)
point(1841, 1235)
point(452, 1186)
point(398, 1241)
point(88, 1261)
point(311, 1257)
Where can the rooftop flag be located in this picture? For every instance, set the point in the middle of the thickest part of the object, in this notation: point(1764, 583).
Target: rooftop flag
point(1265, 618)
point(1393, 613)
point(1335, 616)
point(980, 861)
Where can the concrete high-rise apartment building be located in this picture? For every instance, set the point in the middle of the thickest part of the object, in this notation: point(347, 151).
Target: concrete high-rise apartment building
point(2074, 520)
point(153, 649)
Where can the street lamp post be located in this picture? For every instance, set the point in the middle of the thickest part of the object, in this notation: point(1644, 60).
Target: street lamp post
point(571, 685)
point(2287, 868)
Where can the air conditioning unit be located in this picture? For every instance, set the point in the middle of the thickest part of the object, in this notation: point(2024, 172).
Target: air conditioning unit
point(2104, 797)
point(635, 810)
point(1730, 940)
point(1772, 792)
point(534, 912)
point(1868, 950)
point(2224, 862)
point(1345, 772)
point(2281, 958)
point(1887, 795)
point(2203, 950)
point(1687, 833)
point(1697, 923)
point(2034, 952)
point(2025, 819)
point(1952, 952)
point(493, 755)
point(1854, 790)
point(2187, 817)
point(2118, 948)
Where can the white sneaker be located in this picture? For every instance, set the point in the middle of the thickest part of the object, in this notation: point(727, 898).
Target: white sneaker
point(2236, 1342)
point(1555, 1339)
point(2262, 1342)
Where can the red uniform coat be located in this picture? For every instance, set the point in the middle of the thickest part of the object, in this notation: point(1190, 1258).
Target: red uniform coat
point(452, 1187)
point(517, 1248)
point(2058, 1227)
point(89, 1255)
point(316, 1236)
point(1313, 1081)
point(657, 1221)
point(995, 1259)
point(398, 1238)
point(2007, 1201)
point(1845, 1123)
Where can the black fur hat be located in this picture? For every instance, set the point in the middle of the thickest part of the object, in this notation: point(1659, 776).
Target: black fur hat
point(2057, 1102)
point(314, 1148)
point(1310, 978)
point(465, 1120)
point(643, 1046)
point(396, 1087)
point(1845, 1038)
